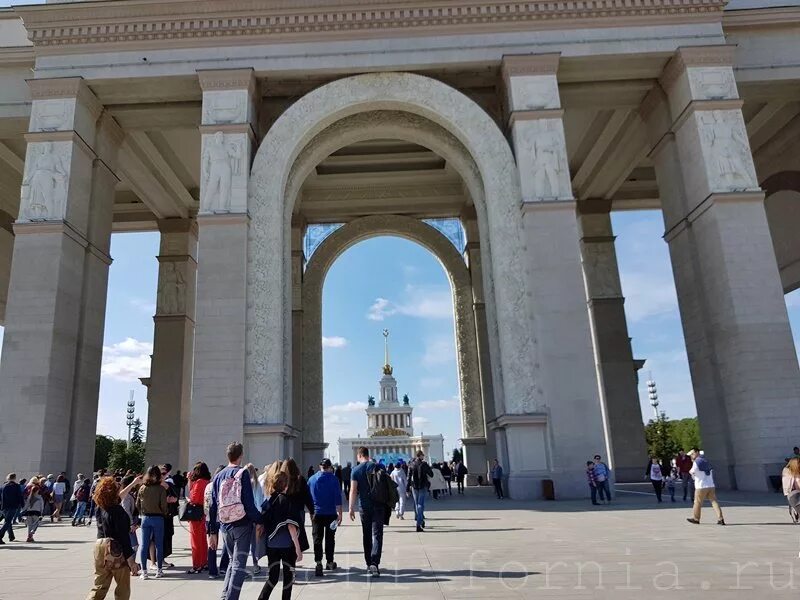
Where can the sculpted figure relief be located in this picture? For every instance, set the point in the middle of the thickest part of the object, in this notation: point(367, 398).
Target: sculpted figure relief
point(728, 149)
point(44, 186)
point(546, 163)
point(221, 162)
point(171, 290)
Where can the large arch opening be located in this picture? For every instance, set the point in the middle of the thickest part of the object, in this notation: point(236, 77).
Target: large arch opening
point(386, 106)
point(472, 387)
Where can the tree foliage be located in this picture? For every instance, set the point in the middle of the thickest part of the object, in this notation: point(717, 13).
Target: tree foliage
point(660, 441)
point(125, 458)
point(686, 433)
point(458, 456)
point(102, 451)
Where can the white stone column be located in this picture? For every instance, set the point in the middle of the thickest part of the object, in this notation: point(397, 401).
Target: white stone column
point(555, 442)
point(169, 395)
point(741, 353)
point(218, 383)
point(6, 253)
point(55, 311)
point(612, 346)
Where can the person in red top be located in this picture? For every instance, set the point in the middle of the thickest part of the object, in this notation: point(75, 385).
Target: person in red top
point(684, 465)
point(199, 478)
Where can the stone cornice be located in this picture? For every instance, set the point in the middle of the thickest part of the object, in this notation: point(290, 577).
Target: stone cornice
point(69, 27)
point(67, 87)
point(761, 17)
point(696, 56)
point(227, 79)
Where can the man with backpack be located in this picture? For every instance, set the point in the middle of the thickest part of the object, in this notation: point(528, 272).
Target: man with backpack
point(233, 509)
point(376, 495)
point(419, 476)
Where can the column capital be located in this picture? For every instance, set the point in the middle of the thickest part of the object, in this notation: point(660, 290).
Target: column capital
point(177, 226)
point(530, 82)
point(64, 104)
point(220, 80)
point(687, 57)
point(594, 206)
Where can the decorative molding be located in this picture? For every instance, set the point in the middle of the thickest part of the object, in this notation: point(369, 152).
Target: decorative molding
point(534, 115)
point(227, 79)
point(65, 87)
point(530, 64)
point(696, 56)
point(136, 22)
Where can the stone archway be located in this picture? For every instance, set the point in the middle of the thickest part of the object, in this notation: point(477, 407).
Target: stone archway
point(473, 425)
point(268, 372)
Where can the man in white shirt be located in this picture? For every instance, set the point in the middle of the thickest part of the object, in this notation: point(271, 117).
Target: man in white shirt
point(704, 488)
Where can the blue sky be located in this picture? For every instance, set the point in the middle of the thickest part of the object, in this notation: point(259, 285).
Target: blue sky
point(393, 283)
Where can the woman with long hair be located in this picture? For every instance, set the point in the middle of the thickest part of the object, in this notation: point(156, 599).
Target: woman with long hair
point(59, 490)
point(280, 532)
point(199, 479)
point(151, 501)
point(33, 508)
point(299, 496)
point(113, 554)
point(791, 488)
point(258, 498)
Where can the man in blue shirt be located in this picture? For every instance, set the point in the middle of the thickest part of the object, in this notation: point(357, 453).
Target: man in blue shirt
point(372, 515)
point(238, 535)
point(327, 496)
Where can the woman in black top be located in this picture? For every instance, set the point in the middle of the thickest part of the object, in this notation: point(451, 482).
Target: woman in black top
point(300, 498)
point(113, 536)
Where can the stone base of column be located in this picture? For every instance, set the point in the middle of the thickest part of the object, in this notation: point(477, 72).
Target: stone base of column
point(749, 477)
point(313, 453)
point(475, 458)
point(525, 454)
point(264, 444)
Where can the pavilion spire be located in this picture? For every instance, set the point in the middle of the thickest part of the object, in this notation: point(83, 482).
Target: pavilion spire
point(387, 367)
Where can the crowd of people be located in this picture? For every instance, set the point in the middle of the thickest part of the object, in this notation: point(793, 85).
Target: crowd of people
point(234, 516)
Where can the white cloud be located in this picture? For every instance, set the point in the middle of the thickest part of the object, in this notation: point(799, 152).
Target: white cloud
point(346, 408)
point(127, 360)
point(429, 404)
point(420, 421)
point(422, 302)
point(380, 309)
point(334, 342)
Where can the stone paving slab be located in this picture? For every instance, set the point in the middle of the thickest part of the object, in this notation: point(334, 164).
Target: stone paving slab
point(477, 547)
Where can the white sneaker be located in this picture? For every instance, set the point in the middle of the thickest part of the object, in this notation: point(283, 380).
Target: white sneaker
point(159, 574)
point(143, 575)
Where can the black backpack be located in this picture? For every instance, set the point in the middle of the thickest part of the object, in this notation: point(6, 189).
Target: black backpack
point(382, 489)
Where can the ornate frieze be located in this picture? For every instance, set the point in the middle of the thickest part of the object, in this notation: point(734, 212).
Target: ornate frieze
point(200, 21)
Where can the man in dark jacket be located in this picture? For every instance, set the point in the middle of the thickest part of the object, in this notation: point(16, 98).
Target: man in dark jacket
point(11, 501)
point(419, 474)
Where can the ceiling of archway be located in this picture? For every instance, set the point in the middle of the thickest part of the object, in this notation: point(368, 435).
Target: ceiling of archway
point(382, 177)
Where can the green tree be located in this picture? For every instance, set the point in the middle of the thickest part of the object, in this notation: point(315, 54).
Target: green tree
point(137, 435)
point(686, 433)
point(458, 456)
point(660, 440)
point(102, 451)
point(125, 458)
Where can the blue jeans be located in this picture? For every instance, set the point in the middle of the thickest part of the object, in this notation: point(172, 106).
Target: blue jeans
point(372, 533)
point(80, 511)
point(152, 529)
point(237, 544)
point(604, 488)
point(419, 505)
point(212, 557)
point(8, 523)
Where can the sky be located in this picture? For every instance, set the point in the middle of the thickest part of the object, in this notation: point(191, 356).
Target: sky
point(392, 283)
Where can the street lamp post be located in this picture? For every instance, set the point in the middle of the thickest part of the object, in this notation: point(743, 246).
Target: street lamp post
point(130, 420)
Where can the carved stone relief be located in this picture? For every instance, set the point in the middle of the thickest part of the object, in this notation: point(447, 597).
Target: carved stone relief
point(712, 83)
point(542, 143)
point(601, 270)
point(534, 92)
point(271, 207)
point(729, 162)
point(46, 181)
point(171, 289)
point(225, 107)
point(224, 177)
point(52, 115)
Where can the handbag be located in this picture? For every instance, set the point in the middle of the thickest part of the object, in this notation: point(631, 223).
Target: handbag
point(191, 512)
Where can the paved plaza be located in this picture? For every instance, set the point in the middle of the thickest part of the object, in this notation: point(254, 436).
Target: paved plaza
point(477, 547)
